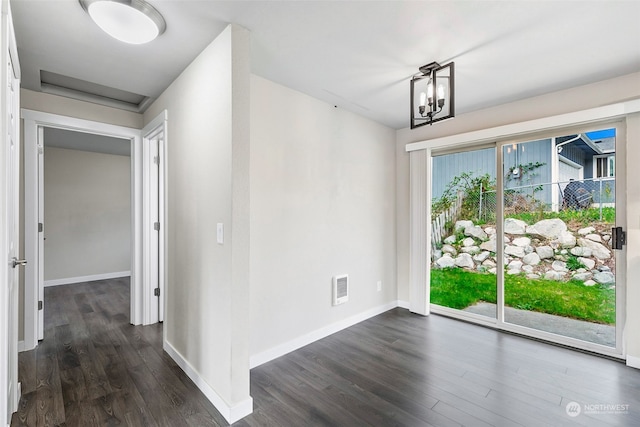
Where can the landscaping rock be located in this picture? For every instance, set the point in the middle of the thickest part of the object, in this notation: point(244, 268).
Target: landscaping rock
point(559, 266)
point(448, 249)
point(566, 239)
point(604, 268)
point(445, 262)
point(545, 252)
point(450, 240)
point(489, 245)
point(588, 262)
point(476, 231)
point(548, 228)
point(586, 230)
point(598, 249)
point(506, 239)
point(554, 275)
point(527, 268)
point(481, 257)
point(528, 249)
point(581, 251)
point(583, 277)
point(514, 251)
point(462, 225)
point(594, 237)
point(472, 250)
point(521, 241)
point(490, 231)
point(489, 263)
point(590, 283)
point(514, 271)
point(492, 270)
point(606, 237)
point(514, 226)
point(533, 276)
point(468, 242)
point(604, 277)
point(465, 261)
point(531, 259)
point(515, 265)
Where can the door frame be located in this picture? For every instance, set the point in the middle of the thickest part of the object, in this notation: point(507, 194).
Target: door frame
point(33, 121)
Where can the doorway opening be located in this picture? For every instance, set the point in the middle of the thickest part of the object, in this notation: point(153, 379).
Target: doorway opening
point(37, 126)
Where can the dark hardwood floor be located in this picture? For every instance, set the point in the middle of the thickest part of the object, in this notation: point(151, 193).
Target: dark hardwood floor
point(396, 369)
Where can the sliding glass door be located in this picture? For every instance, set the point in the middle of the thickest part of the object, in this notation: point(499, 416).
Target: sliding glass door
point(523, 235)
point(463, 239)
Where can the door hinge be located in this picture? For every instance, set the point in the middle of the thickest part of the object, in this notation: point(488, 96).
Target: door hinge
point(40, 305)
point(156, 226)
point(618, 238)
point(40, 227)
point(156, 292)
point(156, 160)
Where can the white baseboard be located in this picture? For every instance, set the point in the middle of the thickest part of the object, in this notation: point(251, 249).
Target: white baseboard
point(633, 362)
point(92, 278)
point(318, 334)
point(230, 413)
point(403, 304)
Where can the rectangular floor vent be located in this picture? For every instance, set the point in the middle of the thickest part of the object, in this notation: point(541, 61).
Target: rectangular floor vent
point(340, 289)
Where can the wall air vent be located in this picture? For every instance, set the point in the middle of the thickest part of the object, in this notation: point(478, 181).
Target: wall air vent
point(340, 289)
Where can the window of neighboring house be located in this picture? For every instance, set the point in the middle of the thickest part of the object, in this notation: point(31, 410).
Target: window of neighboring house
point(605, 166)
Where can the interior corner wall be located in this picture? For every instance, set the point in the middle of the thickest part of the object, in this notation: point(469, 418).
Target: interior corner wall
point(598, 94)
point(207, 298)
point(322, 204)
point(87, 214)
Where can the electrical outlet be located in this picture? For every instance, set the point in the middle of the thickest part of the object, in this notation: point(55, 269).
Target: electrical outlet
point(379, 285)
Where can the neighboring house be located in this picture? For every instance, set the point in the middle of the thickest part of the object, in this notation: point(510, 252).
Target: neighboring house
point(541, 168)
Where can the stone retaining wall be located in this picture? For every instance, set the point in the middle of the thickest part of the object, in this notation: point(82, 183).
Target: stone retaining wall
point(546, 249)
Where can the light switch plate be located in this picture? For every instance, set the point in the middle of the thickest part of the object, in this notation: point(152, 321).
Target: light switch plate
point(220, 233)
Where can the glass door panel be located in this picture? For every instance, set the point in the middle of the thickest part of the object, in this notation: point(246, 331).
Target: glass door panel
point(559, 209)
point(463, 264)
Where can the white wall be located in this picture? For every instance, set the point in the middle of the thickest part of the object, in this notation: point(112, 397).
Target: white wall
point(87, 214)
point(206, 325)
point(322, 203)
point(575, 99)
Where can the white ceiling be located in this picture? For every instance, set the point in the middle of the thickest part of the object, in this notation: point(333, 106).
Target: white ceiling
point(358, 55)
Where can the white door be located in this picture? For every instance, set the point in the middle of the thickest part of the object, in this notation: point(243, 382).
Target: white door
point(9, 180)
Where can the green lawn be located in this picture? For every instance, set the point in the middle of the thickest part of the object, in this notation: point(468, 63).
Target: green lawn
point(457, 288)
point(581, 216)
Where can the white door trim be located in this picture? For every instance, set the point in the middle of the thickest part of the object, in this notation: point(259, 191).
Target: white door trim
point(153, 191)
point(33, 120)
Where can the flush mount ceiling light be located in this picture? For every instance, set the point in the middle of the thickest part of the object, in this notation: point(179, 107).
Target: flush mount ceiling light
point(433, 79)
point(130, 21)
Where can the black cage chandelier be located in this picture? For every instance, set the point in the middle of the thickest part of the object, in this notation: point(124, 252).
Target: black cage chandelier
point(432, 94)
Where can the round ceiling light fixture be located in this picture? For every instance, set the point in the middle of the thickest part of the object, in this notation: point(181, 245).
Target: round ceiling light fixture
point(130, 21)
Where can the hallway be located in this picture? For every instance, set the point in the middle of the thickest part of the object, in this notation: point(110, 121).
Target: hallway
point(94, 369)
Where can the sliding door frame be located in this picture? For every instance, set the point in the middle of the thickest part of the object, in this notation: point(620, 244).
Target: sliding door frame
point(610, 116)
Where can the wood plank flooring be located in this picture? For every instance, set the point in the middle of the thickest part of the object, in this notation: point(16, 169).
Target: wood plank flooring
point(396, 369)
point(94, 369)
